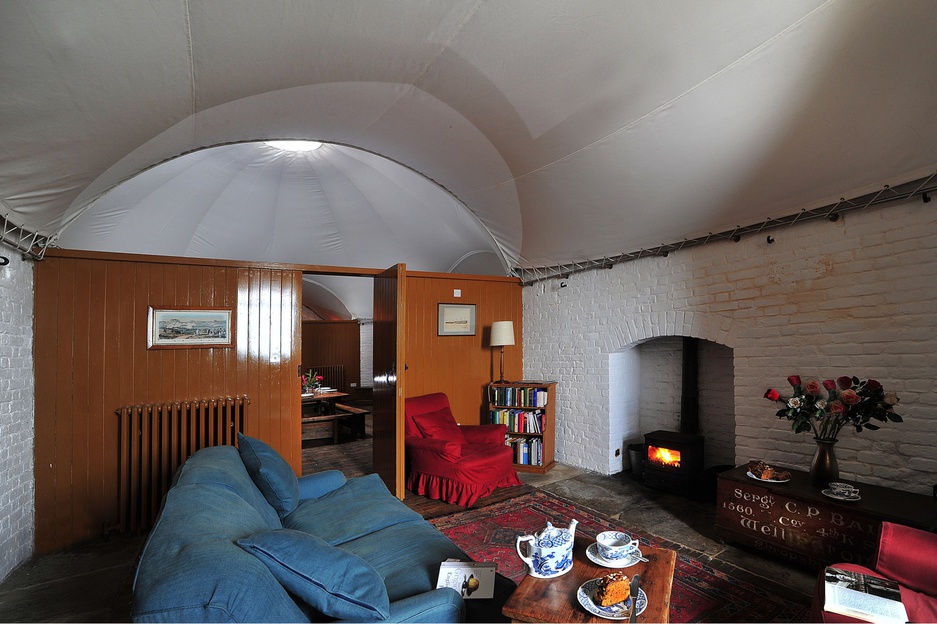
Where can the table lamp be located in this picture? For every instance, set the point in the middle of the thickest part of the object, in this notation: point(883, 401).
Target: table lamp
point(502, 334)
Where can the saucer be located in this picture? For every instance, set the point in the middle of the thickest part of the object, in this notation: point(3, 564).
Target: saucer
point(841, 497)
point(593, 553)
point(619, 611)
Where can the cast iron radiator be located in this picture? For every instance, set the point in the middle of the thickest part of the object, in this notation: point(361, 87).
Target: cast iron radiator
point(154, 439)
point(333, 375)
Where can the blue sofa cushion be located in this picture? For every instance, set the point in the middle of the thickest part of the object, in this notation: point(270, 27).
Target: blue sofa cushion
point(270, 473)
point(336, 583)
point(411, 566)
point(222, 466)
point(366, 506)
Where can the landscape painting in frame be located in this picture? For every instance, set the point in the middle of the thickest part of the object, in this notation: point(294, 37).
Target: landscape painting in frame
point(456, 319)
point(188, 327)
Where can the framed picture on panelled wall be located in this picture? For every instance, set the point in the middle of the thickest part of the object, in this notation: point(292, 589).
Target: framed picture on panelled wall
point(189, 327)
point(456, 319)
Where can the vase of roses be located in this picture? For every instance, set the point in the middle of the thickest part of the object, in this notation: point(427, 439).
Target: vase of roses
point(826, 407)
point(312, 382)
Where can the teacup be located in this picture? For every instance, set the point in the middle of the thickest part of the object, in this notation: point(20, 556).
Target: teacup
point(843, 489)
point(615, 545)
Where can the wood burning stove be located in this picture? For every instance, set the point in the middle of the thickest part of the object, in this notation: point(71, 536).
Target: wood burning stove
point(673, 461)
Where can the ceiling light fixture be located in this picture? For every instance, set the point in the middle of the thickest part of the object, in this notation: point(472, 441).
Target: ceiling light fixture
point(295, 146)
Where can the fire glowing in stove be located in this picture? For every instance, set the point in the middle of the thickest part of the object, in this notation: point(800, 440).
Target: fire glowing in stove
point(663, 456)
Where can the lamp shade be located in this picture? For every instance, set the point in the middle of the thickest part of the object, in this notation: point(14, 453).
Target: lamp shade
point(502, 333)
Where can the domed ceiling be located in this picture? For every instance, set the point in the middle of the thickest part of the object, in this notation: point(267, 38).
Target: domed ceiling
point(459, 135)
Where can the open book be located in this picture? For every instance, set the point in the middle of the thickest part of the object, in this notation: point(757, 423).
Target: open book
point(469, 578)
point(863, 597)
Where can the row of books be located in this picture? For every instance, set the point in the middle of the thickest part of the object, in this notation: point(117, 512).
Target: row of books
point(518, 421)
point(520, 397)
point(527, 451)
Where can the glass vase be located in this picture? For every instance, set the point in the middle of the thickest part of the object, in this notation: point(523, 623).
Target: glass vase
point(823, 468)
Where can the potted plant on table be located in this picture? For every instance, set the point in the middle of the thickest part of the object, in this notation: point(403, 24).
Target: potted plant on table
point(312, 382)
point(828, 406)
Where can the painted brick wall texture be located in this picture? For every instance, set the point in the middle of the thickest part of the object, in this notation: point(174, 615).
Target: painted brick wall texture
point(16, 412)
point(854, 297)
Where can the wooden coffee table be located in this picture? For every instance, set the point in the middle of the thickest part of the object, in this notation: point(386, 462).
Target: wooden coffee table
point(554, 600)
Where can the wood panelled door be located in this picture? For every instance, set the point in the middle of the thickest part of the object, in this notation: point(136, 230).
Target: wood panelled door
point(389, 378)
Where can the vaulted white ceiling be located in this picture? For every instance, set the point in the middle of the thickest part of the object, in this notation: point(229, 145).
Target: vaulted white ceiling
point(475, 135)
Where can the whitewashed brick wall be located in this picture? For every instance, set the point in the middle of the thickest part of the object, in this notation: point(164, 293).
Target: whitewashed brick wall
point(854, 297)
point(17, 491)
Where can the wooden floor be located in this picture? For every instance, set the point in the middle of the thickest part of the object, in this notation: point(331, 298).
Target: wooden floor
point(353, 458)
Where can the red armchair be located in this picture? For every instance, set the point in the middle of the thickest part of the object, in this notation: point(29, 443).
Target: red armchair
point(452, 463)
point(905, 555)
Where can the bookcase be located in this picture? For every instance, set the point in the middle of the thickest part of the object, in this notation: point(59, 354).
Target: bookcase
point(528, 408)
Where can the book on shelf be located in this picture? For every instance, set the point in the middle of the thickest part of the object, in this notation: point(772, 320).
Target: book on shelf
point(518, 421)
point(527, 451)
point(472, 579)
point(863, 597)
point(519, 397)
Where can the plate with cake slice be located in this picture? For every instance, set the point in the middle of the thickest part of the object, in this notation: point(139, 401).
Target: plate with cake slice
point(760, 471)
point(609, 597)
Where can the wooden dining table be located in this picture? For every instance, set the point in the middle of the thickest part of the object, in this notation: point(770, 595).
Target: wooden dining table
point(322, 403)
point(554, 599)
point(318, 410)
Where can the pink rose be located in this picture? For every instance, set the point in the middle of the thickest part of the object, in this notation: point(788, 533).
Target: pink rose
point(829, 384)
point(844, 382)
point(813, 387)
point(836, 407)
point(794, 380)
point(772, 394)
point(849, 397)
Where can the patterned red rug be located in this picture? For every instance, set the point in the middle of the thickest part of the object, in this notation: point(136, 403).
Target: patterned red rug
point(700, 592)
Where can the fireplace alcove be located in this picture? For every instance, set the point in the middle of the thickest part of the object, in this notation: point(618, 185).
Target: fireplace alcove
point(647, 395)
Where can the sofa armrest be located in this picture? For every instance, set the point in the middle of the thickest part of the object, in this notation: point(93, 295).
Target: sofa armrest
point(438, 605)
point(484, 434)
point(909, 556)
point(319, 484)
point(432, 449)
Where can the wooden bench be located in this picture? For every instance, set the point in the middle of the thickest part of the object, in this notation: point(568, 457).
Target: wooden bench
point(313, 426)
point(353, 417)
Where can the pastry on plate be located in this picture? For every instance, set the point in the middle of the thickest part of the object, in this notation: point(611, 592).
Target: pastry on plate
point(612, 589)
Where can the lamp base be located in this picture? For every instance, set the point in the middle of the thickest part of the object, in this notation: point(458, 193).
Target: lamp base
point(501, 381)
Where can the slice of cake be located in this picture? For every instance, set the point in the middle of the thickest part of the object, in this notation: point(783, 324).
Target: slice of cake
point(612, 589)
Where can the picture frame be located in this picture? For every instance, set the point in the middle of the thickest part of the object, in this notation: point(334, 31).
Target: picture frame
point(456, 319)
point(188, 327)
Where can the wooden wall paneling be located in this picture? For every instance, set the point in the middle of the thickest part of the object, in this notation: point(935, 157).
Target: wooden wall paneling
point(289, 352)
point(65, 491)
point(460, 366)
point(44, 353)
point(98, 415)
point(325, 343)
point(84, 518)
point(110, 320)
point(91, 358)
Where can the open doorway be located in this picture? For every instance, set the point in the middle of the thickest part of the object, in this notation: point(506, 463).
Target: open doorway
point(379, 374)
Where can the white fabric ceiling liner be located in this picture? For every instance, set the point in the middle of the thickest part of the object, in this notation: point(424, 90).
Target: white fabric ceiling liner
point(570, 129)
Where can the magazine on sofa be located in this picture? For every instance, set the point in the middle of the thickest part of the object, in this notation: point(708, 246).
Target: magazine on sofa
point(863, 597)
point(470, 578)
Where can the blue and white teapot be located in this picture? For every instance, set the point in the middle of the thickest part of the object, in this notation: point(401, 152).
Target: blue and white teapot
point(550, 552)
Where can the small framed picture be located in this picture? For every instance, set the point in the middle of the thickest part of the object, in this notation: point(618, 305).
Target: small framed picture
point(189, 328)
point(456, 319)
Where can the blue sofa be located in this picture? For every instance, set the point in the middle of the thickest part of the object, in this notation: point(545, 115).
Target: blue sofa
point(241, 539)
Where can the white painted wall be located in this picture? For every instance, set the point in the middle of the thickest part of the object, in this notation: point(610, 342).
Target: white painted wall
point(17, 399)
point(853, 297)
